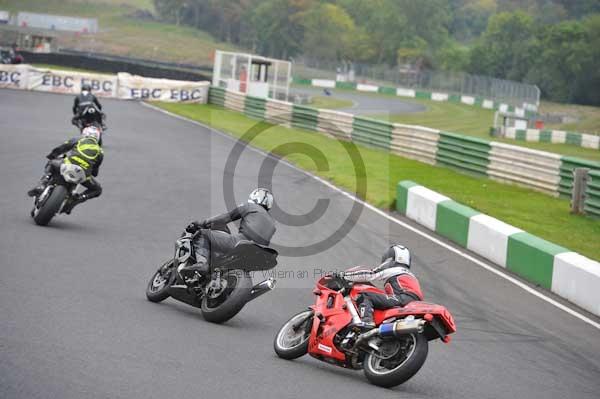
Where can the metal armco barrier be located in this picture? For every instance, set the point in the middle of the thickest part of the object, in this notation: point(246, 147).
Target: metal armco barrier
point(543, 171)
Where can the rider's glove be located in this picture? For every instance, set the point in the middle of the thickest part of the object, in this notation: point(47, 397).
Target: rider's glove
point(205, 224)
point(193, 227)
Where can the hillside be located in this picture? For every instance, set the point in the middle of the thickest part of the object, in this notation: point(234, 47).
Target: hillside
point(127, 28)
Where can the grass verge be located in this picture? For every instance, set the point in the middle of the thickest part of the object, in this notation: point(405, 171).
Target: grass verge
point(537, 213)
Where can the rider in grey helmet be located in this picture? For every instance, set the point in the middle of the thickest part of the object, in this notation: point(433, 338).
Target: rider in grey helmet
point(256, 224)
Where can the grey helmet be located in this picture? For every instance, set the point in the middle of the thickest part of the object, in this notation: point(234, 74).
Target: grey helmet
point(261, 196)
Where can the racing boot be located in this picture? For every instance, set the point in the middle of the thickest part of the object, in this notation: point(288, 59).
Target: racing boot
point(37, 190)
point(76, 199)
point(191, 274)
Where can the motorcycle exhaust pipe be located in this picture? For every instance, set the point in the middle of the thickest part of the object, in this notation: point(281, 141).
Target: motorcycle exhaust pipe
point(396, 329)
point(261, 288)
point(401, 327)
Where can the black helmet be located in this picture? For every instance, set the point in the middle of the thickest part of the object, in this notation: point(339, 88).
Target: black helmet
point(86, 87)
point(397, 253)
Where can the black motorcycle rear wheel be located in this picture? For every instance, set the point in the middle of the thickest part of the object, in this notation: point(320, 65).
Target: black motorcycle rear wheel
point(51, 206)
point(233, 298)
point(157, 288)
point(397, 360)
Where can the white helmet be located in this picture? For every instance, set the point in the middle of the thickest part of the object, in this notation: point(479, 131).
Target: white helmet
point(262, 196)
point(398, 254)
point(91, 131)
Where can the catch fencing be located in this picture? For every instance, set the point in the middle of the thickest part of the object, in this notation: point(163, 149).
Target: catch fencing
point(456, 83)
point(122, 85)
point(543, 171)
point(523, 109)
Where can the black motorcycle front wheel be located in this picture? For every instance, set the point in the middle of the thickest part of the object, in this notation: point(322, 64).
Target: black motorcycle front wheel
point(228, 301)
point(50, 206)
point(157, 288)
point(291, 342)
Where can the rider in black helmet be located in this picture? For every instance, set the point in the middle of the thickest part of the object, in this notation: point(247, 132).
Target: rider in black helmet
point(86, 108)
point(256, 224)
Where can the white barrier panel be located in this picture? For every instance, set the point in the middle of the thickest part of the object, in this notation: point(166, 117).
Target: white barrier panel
point(323, 83)
point(14, 76)
point(133, 87)
point(68, 82)
point(364, 87)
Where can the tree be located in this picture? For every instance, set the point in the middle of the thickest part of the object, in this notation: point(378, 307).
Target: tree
point(507, 48)
point(329, 33)
point(561, 62)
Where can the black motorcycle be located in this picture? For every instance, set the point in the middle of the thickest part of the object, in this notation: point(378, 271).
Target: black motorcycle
point(57, 193)
point(223, 292)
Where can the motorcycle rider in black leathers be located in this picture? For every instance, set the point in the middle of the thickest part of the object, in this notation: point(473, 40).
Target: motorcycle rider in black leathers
point(83, 151)
point(87, 109)
point(256, 224)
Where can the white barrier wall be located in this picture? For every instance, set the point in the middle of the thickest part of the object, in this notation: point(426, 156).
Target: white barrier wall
point(123, 85)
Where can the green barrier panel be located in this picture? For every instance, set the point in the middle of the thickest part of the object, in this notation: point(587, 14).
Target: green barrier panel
point(216, 96)
point(546, 136)
point(387, 90)
point(305, 117)
point(345, 85)
point(424, 95)
point(591, 205)
point(452, 221)
point(454, 98)
point(254, 107)
point(521, 135)
point(302, 81)
point(479, 101)
point(402, 195)
point(567, 164)
point(465, 153)
point(372, 132)
point(573, 138)
point(532, 258)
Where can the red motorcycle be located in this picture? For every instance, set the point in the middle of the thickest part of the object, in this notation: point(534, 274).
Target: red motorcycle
point(389, 354)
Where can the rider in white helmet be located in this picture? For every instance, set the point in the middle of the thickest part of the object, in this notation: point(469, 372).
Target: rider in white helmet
point(400, 285)
point(256, 224)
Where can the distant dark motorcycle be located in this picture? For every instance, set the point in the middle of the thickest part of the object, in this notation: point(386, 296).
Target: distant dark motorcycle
point(223, 293)
point(57, 193)
point(91, 116)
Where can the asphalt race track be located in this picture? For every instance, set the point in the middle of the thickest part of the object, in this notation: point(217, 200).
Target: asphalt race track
point(75, 322)
point(365, 104)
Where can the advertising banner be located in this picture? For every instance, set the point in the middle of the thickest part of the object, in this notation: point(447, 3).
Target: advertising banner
point(132, 87)
point(14, 76)
point(69, 82)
